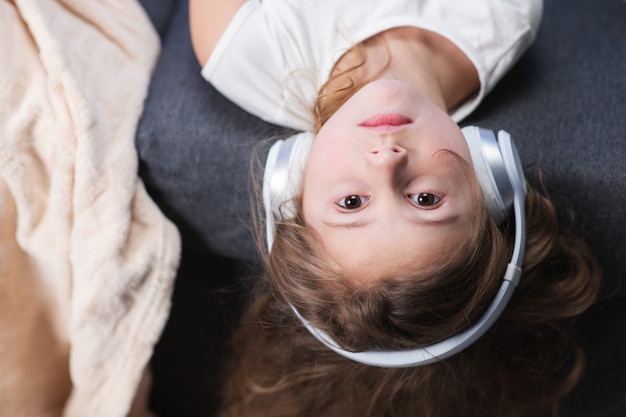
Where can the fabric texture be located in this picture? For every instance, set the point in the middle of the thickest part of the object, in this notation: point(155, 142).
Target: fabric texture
point(160, 13)
point(87, 260)
point(276, 54)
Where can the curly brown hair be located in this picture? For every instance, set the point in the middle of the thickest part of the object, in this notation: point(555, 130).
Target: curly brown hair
point(525, 364)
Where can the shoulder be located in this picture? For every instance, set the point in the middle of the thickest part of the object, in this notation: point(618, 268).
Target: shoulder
point(208, 19)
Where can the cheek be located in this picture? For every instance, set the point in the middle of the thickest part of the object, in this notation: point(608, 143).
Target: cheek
point(316, 176)
point(328, 153)
point(315, 167)
point(335, 148)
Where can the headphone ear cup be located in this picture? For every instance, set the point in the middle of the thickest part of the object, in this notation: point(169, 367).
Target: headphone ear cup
point(282, 180)
point(490, 171)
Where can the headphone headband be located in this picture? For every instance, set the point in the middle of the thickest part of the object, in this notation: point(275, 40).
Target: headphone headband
point(501, 178)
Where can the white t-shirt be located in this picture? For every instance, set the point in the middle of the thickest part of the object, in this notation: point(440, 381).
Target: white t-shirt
point(276, 54)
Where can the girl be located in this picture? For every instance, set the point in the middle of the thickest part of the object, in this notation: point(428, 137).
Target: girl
point(386, 233)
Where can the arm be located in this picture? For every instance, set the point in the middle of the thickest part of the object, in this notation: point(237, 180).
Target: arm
point(208, 19)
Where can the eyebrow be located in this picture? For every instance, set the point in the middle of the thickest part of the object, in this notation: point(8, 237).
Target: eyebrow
point(361, 223)
point(351, 224)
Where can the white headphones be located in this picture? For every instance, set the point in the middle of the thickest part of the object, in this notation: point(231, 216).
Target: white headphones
point(501, 178)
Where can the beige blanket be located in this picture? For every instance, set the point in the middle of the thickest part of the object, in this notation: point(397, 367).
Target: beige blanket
point(87, 260)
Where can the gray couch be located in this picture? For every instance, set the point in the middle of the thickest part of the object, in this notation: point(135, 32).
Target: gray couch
point(565, 104)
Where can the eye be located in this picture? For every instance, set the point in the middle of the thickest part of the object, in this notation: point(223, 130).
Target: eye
point(353, 202)
point(426, 200)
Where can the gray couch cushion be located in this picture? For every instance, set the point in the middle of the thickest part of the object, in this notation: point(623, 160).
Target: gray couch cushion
point(160, 12)
point(195, 149)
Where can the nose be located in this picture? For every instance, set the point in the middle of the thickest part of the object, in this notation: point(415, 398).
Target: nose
point(387, 156)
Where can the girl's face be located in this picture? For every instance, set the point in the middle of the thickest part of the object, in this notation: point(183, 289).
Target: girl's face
point(380, 188)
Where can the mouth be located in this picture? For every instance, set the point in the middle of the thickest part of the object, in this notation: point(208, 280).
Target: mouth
point(386, 120)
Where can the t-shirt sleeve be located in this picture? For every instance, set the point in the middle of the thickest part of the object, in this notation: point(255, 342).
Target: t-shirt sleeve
point(495, 47)
point(250, 68)
point(244, 64)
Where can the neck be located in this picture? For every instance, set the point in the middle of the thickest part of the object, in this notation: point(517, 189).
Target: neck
point(430, 63)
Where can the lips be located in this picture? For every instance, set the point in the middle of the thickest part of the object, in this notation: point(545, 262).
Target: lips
point(387, 119)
